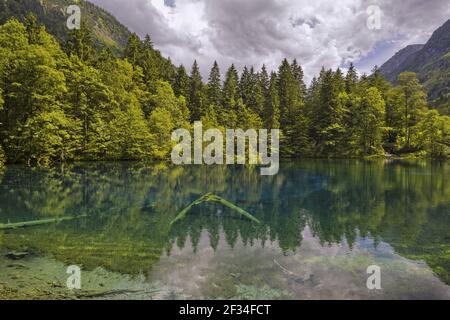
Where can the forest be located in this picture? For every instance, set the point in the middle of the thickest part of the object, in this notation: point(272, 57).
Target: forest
point(71, 101)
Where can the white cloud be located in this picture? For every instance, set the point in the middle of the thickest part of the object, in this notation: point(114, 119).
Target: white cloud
point(252, 32)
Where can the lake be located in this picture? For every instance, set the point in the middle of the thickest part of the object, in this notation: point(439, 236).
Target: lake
point(322, 224)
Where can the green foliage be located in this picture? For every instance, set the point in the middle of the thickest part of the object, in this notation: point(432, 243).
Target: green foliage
point(130, 135)
point(414, 103)
point(369, 122)
point(2, 157)
point(247, 118)
point(293, 121)
point(407, 106)
point(327, 113)
point(107, 32)
point(196, 98)
point(435, 135)
point(214, 86)
point(230, 88)
point(140, 53)
point(83, 104)
point(436, 76)
point(80, 43)
point(89, 100)
point(51, 136)
point(181, 85)
point(351, 80)
point(32, 83)
point(210, 119)
point(431, 62)
point(169, 113)
point(271, 115)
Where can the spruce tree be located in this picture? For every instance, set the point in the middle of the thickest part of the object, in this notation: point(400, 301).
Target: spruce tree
point(245, 85)
point(133, 49)
point(33, 28)
point(80, 43)
point(264, 81)
point(287, 92)
point(351, 79)
point(271, 116)
point(196, 95)
point(327, 123)
point(181, 85)
point(215, 87)
point(298, 74)
point(377, 80)
point(293, 120)
point(231, 88)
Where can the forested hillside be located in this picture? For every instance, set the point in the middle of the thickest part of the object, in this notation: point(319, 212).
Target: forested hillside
point(71, 101)
point(106, 30)
point(431, 62)
point(391, 68)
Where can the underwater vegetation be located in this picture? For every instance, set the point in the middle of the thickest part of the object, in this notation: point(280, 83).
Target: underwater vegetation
point(129, 215)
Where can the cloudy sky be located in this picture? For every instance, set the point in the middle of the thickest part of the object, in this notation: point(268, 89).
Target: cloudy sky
point(254, 32)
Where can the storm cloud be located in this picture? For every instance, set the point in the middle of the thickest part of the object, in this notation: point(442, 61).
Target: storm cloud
point(255, 32)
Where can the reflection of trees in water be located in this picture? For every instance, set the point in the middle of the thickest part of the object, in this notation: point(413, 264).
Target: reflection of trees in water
point(406, 205)
point(131, 206)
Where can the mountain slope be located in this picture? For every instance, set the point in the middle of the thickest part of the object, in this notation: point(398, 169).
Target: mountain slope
point(106, 29)
point(390, 69)
point(432, 64)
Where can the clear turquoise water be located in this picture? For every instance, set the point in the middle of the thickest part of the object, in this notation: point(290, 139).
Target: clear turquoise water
point(323, 223)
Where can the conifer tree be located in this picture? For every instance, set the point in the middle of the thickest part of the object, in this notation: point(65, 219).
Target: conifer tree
point(215, 87)
point(147, 59)
point(231, 88)
point(298, 74)
point(80, 43)
point(133, 49)
point(181, 85)
point(377, 80)
point(264, 81)
point(293, 121)
point(351, 79)
point(271, 116)
point(339, 81)
point(327, 118)
point(288, 93)
point(196, 94)
point(33, 28)
point(245, 85)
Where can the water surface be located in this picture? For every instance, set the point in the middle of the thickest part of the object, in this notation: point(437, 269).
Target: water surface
point(323, 223)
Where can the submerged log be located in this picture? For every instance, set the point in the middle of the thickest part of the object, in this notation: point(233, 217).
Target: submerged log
point(15, 255)
point(11, 226)
point(84, 295)
point(182, 214)
point(233, 207)
point(209, 197)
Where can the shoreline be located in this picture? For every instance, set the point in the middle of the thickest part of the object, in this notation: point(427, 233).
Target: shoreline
point(408, 157)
